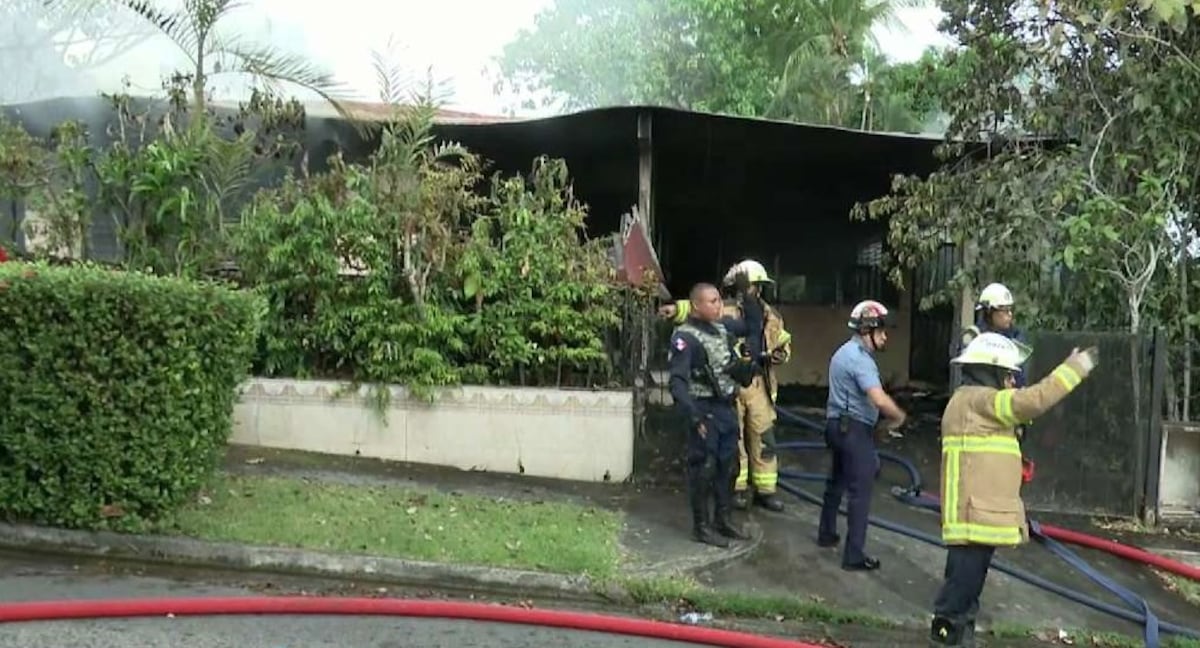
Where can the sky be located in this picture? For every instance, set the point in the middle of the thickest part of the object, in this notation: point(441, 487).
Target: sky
point(458, 38)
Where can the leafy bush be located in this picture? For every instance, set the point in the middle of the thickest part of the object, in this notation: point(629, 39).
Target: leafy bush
point(544, 296)
point(116, 391)
point(397, 271)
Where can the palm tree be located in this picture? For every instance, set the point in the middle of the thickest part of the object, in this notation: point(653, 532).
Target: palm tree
point(194, 28)
point(834, 45)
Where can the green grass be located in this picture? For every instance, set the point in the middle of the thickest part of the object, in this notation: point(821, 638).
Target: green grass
point(405, 523)
point(1185, 587)
point(685, 592)
point(1088, 637)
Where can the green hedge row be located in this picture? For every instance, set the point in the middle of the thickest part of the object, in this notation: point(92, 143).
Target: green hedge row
point(116, 391)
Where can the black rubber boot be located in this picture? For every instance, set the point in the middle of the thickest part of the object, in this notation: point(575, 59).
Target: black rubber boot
point(944, 632)
point(726, 527)
point(769, 501)
point(740, 500)
point(707, 535)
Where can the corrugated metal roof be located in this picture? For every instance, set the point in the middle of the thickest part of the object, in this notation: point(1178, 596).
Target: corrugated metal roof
point(374, 111)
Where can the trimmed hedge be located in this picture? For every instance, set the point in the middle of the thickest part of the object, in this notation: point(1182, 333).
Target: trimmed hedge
point(116, 391)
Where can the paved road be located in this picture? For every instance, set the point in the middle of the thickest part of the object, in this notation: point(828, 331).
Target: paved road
point(304, 632)
point(25, 579)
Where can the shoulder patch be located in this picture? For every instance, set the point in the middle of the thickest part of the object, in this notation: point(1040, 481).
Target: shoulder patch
point(680, 343)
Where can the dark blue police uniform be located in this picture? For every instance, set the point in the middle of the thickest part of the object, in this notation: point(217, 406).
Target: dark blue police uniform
point(703, 385)
point(849, 433)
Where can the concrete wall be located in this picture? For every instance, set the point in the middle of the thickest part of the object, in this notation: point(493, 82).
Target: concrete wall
point(1179, 481)
point(567, 434)
point(817, 331)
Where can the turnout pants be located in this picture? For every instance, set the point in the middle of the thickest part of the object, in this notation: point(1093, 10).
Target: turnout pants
point(757, 461)
point(957, 602)
point(711, 460)
point(855, 464)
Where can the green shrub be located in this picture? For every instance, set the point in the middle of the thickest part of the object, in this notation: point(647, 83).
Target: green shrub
point(116, 391)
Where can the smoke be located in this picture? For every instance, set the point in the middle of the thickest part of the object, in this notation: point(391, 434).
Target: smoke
point(77, 49)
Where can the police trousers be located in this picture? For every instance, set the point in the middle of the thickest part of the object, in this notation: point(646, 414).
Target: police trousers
point(757, 461)
point(854, 466)
point(966, 571)
point(712, 460)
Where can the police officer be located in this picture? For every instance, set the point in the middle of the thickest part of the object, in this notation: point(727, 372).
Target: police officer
point(755, 405)
point(982, 507)
point(856, 398)
point(704, 377)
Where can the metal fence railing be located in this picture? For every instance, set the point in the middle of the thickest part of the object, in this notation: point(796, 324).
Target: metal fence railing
point(1092, 451)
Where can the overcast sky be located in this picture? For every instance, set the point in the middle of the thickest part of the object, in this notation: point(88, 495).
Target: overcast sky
point(459, 38)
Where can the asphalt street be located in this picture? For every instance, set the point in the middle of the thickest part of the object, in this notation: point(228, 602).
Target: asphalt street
point(304, 632)
point(24, 578)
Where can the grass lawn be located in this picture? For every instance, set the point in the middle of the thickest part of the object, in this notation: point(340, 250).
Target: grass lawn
point(404, 523)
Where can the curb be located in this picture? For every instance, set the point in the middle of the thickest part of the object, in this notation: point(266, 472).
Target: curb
point(225, 555)
point(715, 559)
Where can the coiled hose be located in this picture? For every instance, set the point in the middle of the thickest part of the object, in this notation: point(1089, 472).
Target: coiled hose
point(914, 495)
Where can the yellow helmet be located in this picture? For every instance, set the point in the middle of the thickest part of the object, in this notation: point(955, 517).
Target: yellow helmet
point(753, 270)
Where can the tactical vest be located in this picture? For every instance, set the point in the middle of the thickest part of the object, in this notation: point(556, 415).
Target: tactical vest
point(718, 357)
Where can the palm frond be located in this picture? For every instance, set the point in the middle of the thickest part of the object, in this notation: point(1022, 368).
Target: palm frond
point(394, 83)
point(230, 168)
point(273, 67)
point(175, 25)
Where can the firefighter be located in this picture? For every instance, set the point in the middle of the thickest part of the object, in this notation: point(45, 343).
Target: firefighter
point(993, 314)
point(757, 459)
point(856, 399)
point(982, 507)
point(705, 373)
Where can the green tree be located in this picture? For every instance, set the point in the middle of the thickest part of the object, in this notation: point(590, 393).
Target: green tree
point(715, 55)
point(813, 61)
point(1080, 223)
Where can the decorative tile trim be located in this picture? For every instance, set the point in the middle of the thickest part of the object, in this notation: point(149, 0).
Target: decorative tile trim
point(525, 400)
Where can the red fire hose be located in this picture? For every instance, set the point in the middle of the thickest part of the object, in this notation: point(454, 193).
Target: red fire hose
point(117, 608)
point(1115, 548)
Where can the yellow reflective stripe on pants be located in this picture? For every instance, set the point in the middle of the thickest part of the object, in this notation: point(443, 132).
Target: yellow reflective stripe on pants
point(1068, 377)
point(742, 478)
point(1003, 405)
point(765, 481)
point(981, 533)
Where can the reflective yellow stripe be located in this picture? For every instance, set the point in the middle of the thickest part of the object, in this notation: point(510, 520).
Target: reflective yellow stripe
point(992, 444)
point(742, 477)
point(1068, 377)
point(1003, 405)
point(981, 533)
point(950, 505)
point(682, 308)
point(784, 337)
point(765, 479)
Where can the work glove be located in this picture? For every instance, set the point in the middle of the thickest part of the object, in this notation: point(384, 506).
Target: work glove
point(779, 356)
point(1088, 358)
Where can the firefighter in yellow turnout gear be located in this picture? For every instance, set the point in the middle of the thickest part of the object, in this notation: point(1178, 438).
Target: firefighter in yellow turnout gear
point(981, 469)
point(758, 463)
